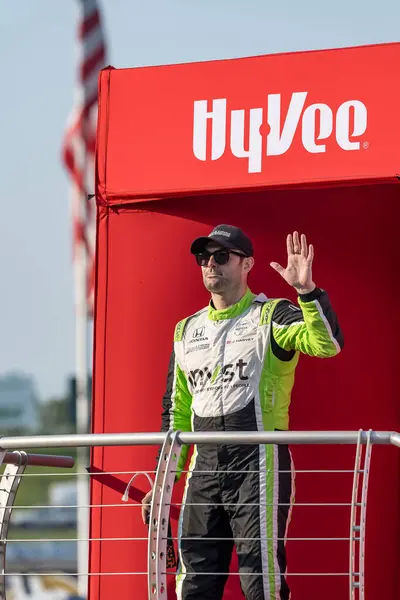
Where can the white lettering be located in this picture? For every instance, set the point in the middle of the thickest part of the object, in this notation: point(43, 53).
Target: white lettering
point(218, 135)
point(308, 130)
point(317, 123)
point(343, 124)
point(254, 153)
point(220, 232)
point(277, 142)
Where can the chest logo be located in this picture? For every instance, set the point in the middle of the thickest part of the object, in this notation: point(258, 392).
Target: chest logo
point(199, 332)
point(220, 374)
point(198, 335)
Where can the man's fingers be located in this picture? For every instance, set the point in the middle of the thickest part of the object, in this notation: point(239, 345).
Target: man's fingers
point(277, 267)
point(304, 249)
point(146, 506)
point(145, 513)
point(310, 256)
point(289, 244)
point(147, 498)
point(296, 243)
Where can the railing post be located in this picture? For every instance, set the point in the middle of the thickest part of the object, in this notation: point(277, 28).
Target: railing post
point(363, 516)
point(358, 516)
point(8, 488)
point(354, 527)
point(159, 517)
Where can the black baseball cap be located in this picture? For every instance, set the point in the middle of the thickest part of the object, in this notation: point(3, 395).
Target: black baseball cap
point(227, 236)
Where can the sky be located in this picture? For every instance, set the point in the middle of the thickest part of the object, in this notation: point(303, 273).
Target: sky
point(37, 50)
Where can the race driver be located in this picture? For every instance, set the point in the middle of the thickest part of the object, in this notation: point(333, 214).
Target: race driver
point(232, 369)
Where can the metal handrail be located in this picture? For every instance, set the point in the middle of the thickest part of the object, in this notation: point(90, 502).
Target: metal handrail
point(16, 463)
point(198, 437)
point(40, 460)
point(156, 579)
point(167, 469)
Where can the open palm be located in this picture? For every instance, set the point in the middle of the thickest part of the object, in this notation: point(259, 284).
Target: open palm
point(298, 272)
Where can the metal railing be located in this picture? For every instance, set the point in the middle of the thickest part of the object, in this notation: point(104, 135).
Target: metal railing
point(158, 535)
point(16, 463)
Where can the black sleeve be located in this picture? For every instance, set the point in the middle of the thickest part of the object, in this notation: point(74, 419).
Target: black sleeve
point(283, 315)
point(167, 400)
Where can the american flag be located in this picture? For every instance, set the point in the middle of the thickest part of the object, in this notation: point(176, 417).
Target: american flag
point(80, 136)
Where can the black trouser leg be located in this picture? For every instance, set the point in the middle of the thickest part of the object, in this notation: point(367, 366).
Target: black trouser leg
point(258, 520)
point(202, 557)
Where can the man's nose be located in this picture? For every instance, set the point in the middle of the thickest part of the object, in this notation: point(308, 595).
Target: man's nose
point(211, 261)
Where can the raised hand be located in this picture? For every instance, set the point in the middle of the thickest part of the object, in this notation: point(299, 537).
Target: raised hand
point(298, 272)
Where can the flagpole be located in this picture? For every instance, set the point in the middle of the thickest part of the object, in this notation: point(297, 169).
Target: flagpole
point(78, 157)
point(82, 413)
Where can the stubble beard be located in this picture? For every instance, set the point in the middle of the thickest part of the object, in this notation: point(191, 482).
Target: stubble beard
point(217, 285)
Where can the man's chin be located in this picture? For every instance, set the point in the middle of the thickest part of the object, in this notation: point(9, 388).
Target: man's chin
point(214, 285)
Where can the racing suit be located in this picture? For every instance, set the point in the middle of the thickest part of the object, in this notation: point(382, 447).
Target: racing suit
point(233, 370)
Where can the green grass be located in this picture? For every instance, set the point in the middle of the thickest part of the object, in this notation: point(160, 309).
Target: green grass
point(16, 533)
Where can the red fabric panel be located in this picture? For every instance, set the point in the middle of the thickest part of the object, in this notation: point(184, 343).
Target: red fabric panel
point(146, 128)
point(147, 281)
point(98, 404)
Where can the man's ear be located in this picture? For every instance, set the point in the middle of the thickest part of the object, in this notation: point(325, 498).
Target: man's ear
point(248, 263)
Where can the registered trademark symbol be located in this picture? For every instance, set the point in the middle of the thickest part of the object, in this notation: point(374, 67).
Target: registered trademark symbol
point(365, 145)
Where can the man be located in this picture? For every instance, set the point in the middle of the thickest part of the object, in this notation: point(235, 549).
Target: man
point(232, 369)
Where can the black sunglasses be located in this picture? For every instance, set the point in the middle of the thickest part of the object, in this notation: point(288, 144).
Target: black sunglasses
point(221, 257)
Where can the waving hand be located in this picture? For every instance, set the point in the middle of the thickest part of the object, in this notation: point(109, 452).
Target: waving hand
point(298, 272)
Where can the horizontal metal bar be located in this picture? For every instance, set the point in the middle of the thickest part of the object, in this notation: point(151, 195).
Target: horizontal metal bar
point(82, 440)
point(395, 439)
point(128, 539)
point(200, 437)
point(330, 504)
point(64, 573)
point(273, 471)
point(88, 473)
point(258, 574)
point(257, 539)
point(32, 506)
point(52, 474)
point(139, 505)
point(100, 474)
point(283, 437)
point(40, 460)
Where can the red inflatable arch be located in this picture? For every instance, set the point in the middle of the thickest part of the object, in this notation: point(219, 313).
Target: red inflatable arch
point(307, 141)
